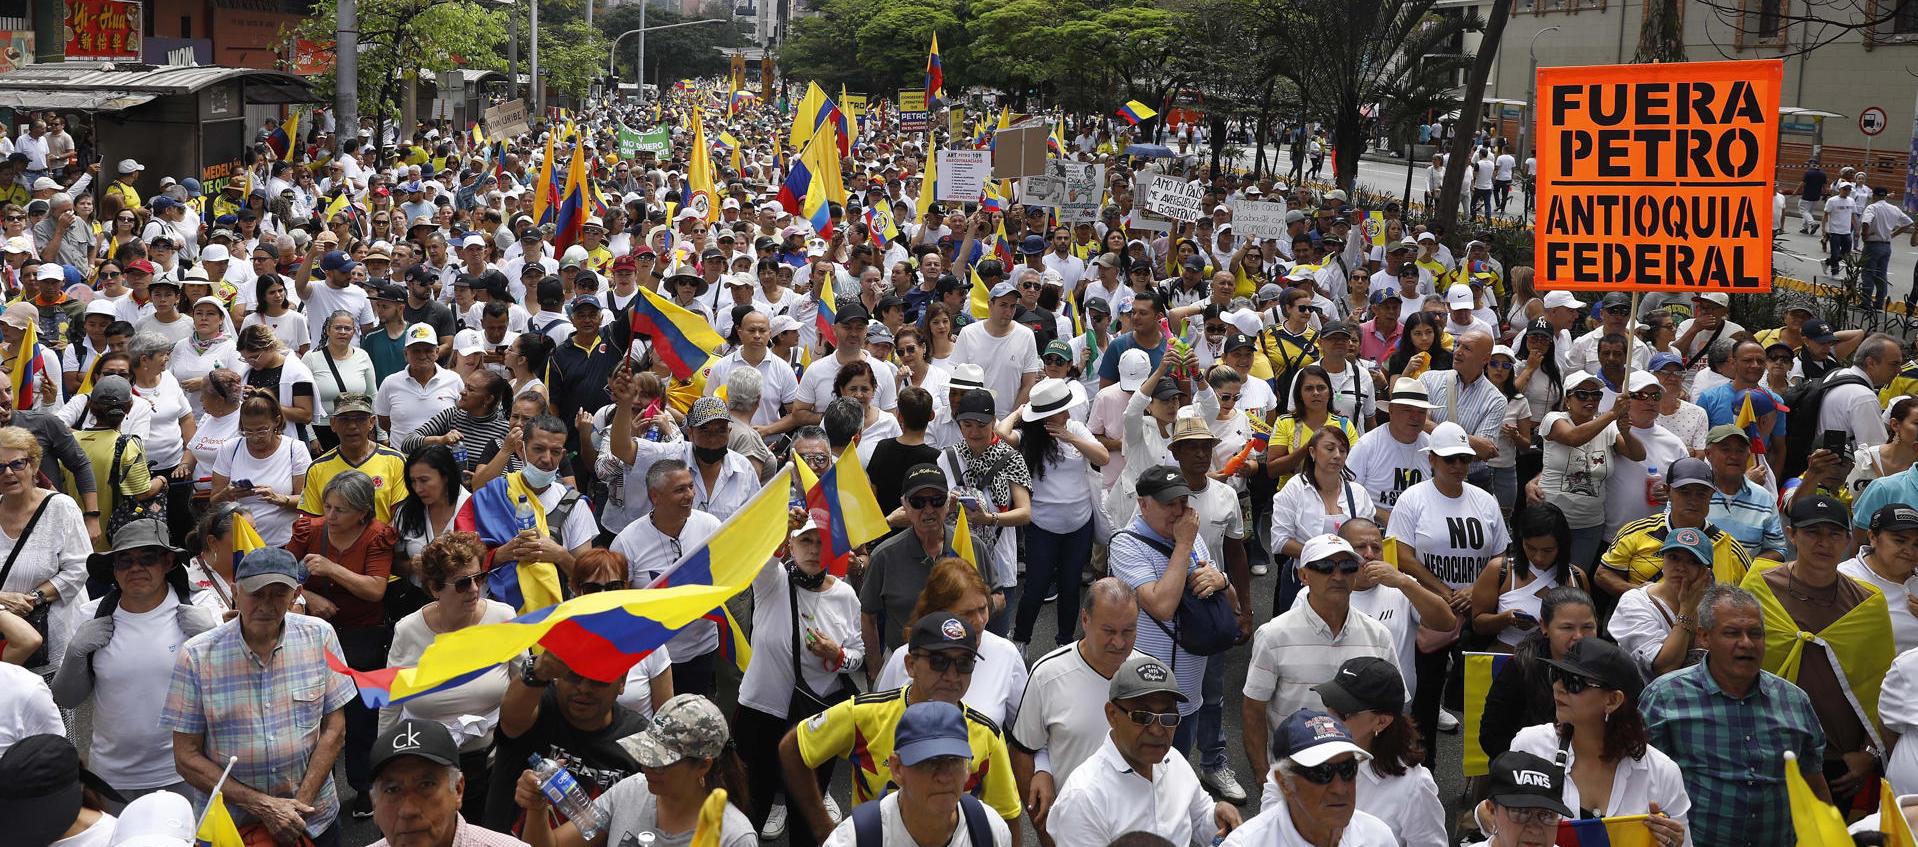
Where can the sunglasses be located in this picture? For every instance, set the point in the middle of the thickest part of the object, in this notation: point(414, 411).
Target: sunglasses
point(1345, 566)
point(1229, 396)
point(925, 502)
point(142, 558)
point(1587, 394)
point(16, 466)
point(109, 274)
point(1574, 683)
point(16, 218)
point(1347, 770)
point(1500, 366)
point(470, 582)
point(1618, 310)
point(1145, 718)
point(1453, 459)
point(1652, 396)
point(596, 587)
point(940, 663)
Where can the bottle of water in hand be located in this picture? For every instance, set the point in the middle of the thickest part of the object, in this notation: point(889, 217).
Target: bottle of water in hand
point(566, 795)
point(523, 517)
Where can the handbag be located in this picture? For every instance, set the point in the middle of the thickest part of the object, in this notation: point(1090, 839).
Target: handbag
point(127, 509)
point(804, 702)
point(38, 616)
point(1203, 626)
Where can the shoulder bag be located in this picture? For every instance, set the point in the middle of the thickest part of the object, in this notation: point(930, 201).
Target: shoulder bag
point(38, 616)
point(1202, 626)
point(127, 508)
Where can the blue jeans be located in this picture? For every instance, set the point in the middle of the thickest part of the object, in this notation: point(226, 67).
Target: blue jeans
point(1209, 721)
point(1054, 562)
point(1840, 244)
point(1505, 487)
point(1585, 545)
point(1876, 265)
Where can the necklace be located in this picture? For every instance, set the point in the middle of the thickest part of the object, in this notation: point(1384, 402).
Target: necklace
point(1798, 591)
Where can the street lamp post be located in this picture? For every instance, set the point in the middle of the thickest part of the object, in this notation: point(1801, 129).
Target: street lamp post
point(640, 70)
point(1531, 91)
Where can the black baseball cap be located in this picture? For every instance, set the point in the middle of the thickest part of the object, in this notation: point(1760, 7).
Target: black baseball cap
point(853, 312)
point(1163, 483)
point(1816, 509)
point(943, 631)
point(1894, 518)
point(1166, 389)
point(1238, 341)
point(1364, 683)
point(1604, 662)
point(1339, 328)
point(391, 292)
point(921, 477)
point(1523, 781)
point(976, 405)
point(428, 740)
point(1820, 331)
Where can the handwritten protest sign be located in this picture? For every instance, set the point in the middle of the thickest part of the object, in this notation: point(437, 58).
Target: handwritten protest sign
point(1657, 177)
point(1175, 198)
point(508, 118)
point(1259, 219)
point(962, 175)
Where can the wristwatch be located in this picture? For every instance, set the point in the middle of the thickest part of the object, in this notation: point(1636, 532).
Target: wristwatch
point(531, 679)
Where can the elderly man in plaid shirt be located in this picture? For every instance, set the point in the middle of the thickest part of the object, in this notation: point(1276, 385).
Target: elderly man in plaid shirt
point(1727, 722)
point(258, 687)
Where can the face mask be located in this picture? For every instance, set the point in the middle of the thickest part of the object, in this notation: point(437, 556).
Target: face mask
point(538, 477)
point(709, 455)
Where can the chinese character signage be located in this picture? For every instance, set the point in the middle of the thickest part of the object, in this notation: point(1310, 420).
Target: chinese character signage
point(103, 29)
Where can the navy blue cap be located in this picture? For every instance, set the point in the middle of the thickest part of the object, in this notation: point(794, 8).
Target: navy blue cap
point(1032, 245)
point(586, 300)
point(1311, 738)
point(929, 730)
point(337, 261)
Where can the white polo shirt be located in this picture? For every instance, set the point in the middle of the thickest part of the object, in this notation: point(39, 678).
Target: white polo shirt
point(777, 384)
point(650, 553)
point(1064, 711)
point(409, 404)
point(1297, 650)
point(1106, 798)
point(1273, 828)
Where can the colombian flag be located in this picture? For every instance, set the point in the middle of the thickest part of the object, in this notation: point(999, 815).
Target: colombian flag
point(1133, 112)
point(1747, 420)
point(572, 204)
point(285, 139)
point(543, 187)
point(493, 512)
point(879, 222)
point(683, 340)
point(1891, 818)
point(246, 539)
point(828, 311)
point(1622, 831)
point(928, 186)
point(843, 505)
point(1480, 670)
point(935, 78)
point(992, 202)
point(28, 368)
point(216, 825)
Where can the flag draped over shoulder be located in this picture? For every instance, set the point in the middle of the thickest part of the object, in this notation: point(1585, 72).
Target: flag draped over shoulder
point(493, 509)
point(1480, 670)
point(1859, 644)
point(843, 505)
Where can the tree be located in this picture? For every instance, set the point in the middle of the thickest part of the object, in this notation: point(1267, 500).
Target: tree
point(1091, 57)
point(1458, 158)
point(684, 53)
point(570, 56)
point(402, 36)
point(1661, 32)
point(874, 45)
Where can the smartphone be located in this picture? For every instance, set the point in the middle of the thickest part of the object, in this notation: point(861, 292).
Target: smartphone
point(1836, 440)
point(1525, 621)
point(243, 483)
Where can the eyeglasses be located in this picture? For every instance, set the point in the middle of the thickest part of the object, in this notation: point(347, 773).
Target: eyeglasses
point(1145, 718)
point(1347, 770)
point(1215, 327)
point(141, 559)
point(1500, 366)
point(470, 582)
point(1575, 683)
point(596, 587)
point(16, 466)
point(12, 218)
point(1532, 817)
point(259, 433)
point(940, 663)
point(925, 502)
point(1342, 565)
point(1587, 394)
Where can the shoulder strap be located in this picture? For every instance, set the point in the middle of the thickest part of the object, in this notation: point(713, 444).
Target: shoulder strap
point(1149, 542)
point(1704, 348)
point(21, 542)
point(867, 828)
point(114, 472)
point(978, 826)
point(556, 519)
point(328, 355)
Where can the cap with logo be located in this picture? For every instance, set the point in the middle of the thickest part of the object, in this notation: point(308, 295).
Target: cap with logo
point(1604, 662)
point(943, 631)
point(705, 410)
point(1895, 517)
point(1818, 509)
point(686, 727)
point(1520, 780)
point(421, 333)
point(1819, 331)
point(1163, 483)
point(1311, 738)
point(1692, 540)
point(429, 740)
point(1364, 683)
point(975, 405)
point(1449, 439)
point(1321, 548)
point(1142, 675)
point(924, 476)
point(1134, 366)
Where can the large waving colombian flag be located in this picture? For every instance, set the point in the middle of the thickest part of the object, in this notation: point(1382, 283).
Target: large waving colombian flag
point(843, 505)
point(681, 339)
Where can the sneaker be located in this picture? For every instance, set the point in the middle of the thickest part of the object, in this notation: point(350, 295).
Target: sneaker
point(1447, 722)
point(362, 806)
point(1224, 783)
point(1261, 569)
point(832, 810)
point(776, 823)
point(1053, 597)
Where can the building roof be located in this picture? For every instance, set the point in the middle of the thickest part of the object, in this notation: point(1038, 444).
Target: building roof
point(111, 86)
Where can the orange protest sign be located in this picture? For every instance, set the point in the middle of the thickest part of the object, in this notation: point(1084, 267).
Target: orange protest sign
point(1656, 177)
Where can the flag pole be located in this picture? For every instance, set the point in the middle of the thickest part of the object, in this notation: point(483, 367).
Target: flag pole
point(213, 796)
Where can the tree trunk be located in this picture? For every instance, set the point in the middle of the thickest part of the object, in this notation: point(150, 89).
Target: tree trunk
point(1661, 34)
point(1348, 144)
point(1461, 150)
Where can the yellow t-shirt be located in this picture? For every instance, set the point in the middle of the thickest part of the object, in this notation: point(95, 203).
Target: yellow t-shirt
point(134, 479)
point(861, 729)
point(1637, 552)
point(386, 466)
point(1905, 384)
point(1291, 433)
point(129, 196)
point(1286, 352)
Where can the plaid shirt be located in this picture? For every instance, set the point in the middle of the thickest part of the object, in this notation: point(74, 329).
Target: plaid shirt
point(1731, 751)
point(266, 713)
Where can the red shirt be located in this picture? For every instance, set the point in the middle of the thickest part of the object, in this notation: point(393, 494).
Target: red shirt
point(371, 554)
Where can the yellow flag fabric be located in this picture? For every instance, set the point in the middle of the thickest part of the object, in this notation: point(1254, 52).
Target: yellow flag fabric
point(962, 542)
point(978, 299)
point(712, 814)
point(538, 581)
point(1860, 644)
point(1480, 670)
point(699, 173)
point(216, 826)
point(803, 117)
point(1815, 821)
point(927, 185)
point(1891, 818)
point(544, 185)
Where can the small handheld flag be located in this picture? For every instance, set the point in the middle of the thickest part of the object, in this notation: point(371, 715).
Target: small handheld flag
point(1134, 112)
point(27, 370)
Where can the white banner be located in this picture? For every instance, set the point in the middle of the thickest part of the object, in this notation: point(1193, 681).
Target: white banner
point(1175, 198)
point(963, 175)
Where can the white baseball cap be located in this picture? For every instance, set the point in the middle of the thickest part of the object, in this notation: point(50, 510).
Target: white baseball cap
point(1448, 439)
point(467, 342)
point(1134, 366)
point(1322, 547)
point(421, 333)
point(1562, 299)
point(1460, 297)
point(214, 253)
point(1639, 381)
point(784, 323)
point(129, 166)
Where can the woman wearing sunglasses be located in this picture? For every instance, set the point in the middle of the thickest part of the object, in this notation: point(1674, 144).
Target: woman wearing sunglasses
point(1611, 769)
point(1581, 447)
point(1522, 691)
point(450, 568)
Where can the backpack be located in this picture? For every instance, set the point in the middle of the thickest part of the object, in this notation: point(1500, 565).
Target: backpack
point(1802, 405)
point(869, 831)
point(1202, 626)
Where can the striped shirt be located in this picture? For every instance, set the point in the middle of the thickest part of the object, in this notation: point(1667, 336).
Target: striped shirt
point(1731, 752)
point(480, 438)
point(1298, 650)
point(1478, 407)
point(1751, 516)
point(1138, 563)
point(266, 713)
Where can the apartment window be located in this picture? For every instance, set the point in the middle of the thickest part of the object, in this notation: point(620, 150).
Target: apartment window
point(1771, 19)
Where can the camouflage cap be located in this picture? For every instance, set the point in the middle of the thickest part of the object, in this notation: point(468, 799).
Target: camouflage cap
point(686, 727)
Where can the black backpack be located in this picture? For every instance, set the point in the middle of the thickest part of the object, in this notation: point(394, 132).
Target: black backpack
point(1203, 626)
point(1802, 404)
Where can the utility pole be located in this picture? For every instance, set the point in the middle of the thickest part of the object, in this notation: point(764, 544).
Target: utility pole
point(512, 52)
point(346, 77)
point(589, 13)
point(639, 70)
point(532, 74)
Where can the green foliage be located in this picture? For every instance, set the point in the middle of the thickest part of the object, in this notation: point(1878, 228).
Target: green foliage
point(571, 56)
point(874, 46)
point(401, 35)
point(683, 53)
point(1089, 56)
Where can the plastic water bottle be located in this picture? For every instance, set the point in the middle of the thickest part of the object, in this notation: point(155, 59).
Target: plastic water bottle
point(459, 455)
point(523, 518)
point(563, 791)
point(1651, 482)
